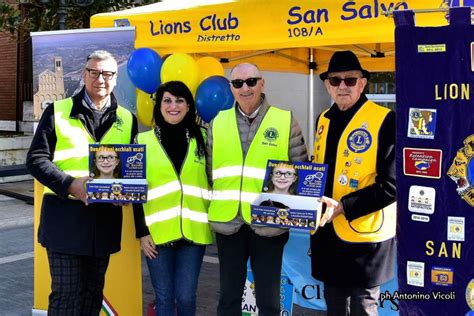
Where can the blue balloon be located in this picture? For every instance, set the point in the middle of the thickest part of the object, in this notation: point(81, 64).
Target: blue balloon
point(144, 68)
point(213, 95)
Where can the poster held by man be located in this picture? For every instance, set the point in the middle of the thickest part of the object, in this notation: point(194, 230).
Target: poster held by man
point(118, 172)
point(290, 195)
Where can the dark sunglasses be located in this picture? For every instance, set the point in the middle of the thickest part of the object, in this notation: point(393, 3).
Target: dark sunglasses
point(349, 81)
point(251, 82)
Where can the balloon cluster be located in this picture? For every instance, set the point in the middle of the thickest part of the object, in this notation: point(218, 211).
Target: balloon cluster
point(204, 77)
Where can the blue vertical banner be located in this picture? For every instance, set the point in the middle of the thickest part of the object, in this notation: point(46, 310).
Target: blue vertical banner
point(435, 165)
point(459, 3)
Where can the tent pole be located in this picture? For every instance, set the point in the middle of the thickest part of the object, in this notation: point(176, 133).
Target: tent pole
point(389, 13)
point(310, 126)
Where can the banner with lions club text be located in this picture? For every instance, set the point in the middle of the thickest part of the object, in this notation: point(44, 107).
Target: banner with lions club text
point(435, 165)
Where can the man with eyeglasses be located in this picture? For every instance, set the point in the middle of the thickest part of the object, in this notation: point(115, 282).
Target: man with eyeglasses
point(78, 237)
point(240, 141)
point(354, 249)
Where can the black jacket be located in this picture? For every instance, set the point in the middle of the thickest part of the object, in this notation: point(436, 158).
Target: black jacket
point(340, 263)
point(67, 225)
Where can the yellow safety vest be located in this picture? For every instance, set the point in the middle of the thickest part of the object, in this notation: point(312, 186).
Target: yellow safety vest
point(355, 168)
point(72, 146)
point(177, 203)
point(238, 182)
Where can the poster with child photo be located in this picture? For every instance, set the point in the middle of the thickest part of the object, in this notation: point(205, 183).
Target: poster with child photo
point(290, 195)
point(118, 172)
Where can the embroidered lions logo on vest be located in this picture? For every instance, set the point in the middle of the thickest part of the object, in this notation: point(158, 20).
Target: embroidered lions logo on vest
point(461, 171)
point(118, 124)
point(359, 140)
point(271, 134)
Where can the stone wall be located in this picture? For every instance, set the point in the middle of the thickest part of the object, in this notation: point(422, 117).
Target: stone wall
point(13, 151)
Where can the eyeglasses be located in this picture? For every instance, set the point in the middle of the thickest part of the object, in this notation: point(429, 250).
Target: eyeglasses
point(107, 75)
point(109, 158)
point(251, 82)
point(287, 174)
point(349, 81)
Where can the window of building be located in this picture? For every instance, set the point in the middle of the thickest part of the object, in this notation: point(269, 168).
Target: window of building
point(381, 89)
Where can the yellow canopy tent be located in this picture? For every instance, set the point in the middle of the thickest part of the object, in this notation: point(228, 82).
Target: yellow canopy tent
point(286, 35)
point(223, 27)
point(296, 36)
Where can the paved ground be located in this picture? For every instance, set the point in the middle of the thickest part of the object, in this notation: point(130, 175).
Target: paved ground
point(16, 260)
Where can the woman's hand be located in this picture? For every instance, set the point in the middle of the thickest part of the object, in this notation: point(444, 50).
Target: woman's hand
point(333, 209)
point(148, 247)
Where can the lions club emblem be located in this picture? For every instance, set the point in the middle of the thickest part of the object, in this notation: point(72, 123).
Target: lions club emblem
point(282, 213)
point(270, 134)
point(470, 294)
point(461, 171)
point(118, 123)
point(116, 188)
point(359, 140)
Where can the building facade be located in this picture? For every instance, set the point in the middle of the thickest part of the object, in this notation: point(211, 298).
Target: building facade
point(15, 76)
point(50, 88)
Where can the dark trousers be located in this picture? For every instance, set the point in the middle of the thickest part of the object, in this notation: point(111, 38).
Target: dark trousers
point(265, 259)
point(355, 301)
point(77, 283)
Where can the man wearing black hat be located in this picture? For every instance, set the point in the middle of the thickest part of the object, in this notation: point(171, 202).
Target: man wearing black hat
point(353, 251)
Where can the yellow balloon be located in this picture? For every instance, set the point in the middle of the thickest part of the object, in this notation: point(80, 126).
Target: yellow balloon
point(145, 105)
point(209, 66)
point(181, 67)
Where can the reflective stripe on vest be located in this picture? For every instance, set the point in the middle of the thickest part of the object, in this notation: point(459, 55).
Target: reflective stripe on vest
point(71, 154)
point(176, 206)
point(355, 168)
point(237, 182)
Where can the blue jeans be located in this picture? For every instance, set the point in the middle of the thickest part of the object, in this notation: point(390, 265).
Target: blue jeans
point(174, 274)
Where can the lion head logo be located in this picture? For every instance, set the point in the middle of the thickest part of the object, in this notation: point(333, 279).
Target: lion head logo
point(461, 171)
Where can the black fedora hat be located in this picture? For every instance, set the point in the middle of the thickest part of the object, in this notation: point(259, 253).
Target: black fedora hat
point(344, 61)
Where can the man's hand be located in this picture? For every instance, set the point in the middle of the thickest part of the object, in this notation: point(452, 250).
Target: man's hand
point(148, 247)
point(78, 188)
point(333, 209)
